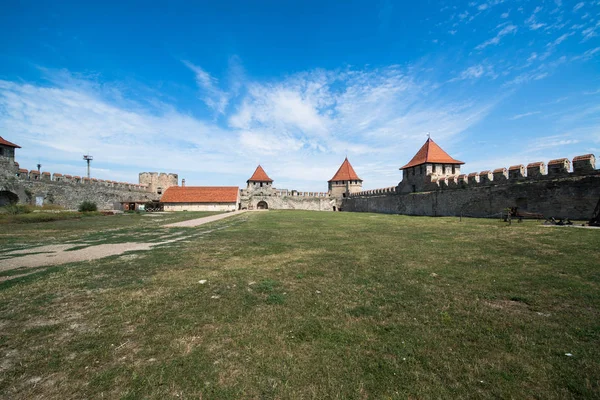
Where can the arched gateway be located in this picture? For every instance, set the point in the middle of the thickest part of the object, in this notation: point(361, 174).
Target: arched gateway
point(262, 205)
point(7, 198)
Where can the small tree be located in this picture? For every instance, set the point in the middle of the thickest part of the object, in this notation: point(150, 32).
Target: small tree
point(88, 206)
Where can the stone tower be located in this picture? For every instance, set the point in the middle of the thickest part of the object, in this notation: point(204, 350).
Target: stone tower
point(430, 161)
point(258, 180)
point(158, 183)
point(345, 181)
point(7, 156)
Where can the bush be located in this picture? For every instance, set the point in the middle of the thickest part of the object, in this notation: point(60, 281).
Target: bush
point(15, 209)
point(88, 206)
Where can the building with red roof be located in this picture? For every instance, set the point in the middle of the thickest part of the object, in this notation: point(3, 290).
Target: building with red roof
point(7, 151)
point(201, 198)
point(431, 161)
point(345, 181)
point(259, 179)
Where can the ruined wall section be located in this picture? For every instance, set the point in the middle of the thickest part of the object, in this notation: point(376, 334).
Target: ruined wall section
point(560, 193)
point(158, 182)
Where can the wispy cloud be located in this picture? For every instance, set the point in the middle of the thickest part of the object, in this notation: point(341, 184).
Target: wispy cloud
point(527, 114)
point(310, 118)
point(214, 97)
point(508, 29)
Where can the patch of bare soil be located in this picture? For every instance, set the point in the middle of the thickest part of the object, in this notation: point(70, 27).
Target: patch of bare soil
point(58, 254)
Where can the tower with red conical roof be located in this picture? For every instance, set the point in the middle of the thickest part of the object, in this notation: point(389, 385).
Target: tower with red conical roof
point(429, 162)
point(345, 181)
point(7, 155)
point(259, 179)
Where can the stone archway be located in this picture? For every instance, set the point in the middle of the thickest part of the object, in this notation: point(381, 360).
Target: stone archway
point(7, 198)
point(262, 205)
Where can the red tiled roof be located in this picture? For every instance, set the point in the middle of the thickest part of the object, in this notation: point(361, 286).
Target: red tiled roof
point(558, 161)
point(584, 157)
point(200, 194)
point(431, 153)
point(473, 174)
point(535, 164)
point(23, 170)
point(499, 170)
point(515, 167)
point(9, 144)
point(345, 173)
point(260, 175)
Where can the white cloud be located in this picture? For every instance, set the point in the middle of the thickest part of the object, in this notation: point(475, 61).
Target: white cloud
point(214, 97)
point(496, 39)
point(578, 6)
point(306, 121)
point(527, 114)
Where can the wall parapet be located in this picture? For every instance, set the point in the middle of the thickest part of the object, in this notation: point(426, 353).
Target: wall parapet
point(58, 178)
point(376, 192)
point(557, 169)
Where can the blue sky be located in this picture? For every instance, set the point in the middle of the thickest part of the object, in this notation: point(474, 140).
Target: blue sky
point(210, 89)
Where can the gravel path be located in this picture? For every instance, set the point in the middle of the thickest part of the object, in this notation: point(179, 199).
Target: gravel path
point(201, 221)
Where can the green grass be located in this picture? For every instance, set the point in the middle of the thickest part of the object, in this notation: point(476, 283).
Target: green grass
point(312, 305)
point(74, 229)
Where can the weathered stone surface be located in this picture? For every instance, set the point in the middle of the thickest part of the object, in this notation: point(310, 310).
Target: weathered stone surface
point(572, 196)
point(30, 189)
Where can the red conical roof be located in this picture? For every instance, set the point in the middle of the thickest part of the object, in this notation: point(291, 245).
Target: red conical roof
point(431, 153)
point(260, 175)
point(9, 144)
point(345, 173)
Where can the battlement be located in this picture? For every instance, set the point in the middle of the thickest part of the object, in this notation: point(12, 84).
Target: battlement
point(35, 175)
point(558, 168)
point(158, 182)
point(376, 192)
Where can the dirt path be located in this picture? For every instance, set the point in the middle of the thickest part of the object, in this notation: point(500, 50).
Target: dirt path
point(201, 221)
point(59, 254)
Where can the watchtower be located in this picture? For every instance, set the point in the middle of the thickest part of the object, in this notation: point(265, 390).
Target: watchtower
point(430, 161)
point(345, 181)
point(7, 154)
point(259, 179)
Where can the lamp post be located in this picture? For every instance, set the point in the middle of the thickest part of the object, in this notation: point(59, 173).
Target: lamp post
point(88, 158)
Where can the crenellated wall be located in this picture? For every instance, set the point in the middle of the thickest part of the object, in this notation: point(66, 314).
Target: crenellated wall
point(284, 199)
point(33, 187)
point(559, 193)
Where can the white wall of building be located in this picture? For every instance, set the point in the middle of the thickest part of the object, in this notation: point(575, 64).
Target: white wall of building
point(200, 206)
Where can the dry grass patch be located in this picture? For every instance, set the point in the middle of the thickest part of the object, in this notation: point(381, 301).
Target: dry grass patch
point(313, 305)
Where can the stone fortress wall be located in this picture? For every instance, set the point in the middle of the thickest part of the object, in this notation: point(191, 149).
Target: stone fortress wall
point(553, 190)
point(33, 187)
point(284, 199)
point(158, 182)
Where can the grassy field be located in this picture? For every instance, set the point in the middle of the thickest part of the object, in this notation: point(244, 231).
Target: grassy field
point(309, 305)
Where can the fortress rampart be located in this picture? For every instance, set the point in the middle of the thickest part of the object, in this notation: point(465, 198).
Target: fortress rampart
point(69, 191)
point(553, 190)
point(284, 199)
